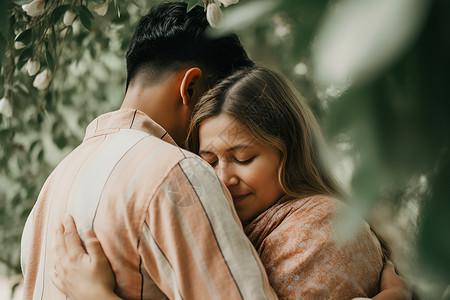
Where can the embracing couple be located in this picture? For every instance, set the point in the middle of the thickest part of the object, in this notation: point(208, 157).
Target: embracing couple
point(247, 213)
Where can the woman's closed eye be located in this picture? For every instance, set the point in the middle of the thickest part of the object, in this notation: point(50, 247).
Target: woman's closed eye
point(245, 162)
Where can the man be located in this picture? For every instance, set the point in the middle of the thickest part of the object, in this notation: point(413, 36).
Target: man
point(164, 219)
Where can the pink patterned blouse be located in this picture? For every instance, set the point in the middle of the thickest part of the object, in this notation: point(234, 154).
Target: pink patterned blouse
point(303, 259)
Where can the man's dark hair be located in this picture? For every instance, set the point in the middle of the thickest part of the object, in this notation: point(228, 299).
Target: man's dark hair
point(169, 38)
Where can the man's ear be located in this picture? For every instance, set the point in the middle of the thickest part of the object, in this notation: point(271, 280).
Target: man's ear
point(190, 81)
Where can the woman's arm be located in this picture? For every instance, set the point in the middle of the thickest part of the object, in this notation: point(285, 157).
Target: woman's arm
point(80, 274)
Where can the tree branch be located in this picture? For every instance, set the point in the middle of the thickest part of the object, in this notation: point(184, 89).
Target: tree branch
point(54, 71)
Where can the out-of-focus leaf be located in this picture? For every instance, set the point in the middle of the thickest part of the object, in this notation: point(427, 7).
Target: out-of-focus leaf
point(14, 287)
point(26, 212)
point(241, 16)
point(40, 156)
point(23, 88)
point(16, 200)
point(86, 17)
point(60, 140)
point(361, 37)
point(33, 145)
point(433, 242)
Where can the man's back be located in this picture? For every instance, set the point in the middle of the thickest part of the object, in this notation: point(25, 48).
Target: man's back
point(145, 199)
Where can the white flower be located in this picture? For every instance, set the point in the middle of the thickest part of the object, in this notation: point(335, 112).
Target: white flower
point(5, 107)
point(19, 45)
point(214, 15)
point(101, 9)
point(33, 67)
point(226, 3)
point(42, 80)
point(69, 16)
point(35, 8)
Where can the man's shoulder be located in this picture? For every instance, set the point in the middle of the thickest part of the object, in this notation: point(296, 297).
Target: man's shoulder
point(169, 153)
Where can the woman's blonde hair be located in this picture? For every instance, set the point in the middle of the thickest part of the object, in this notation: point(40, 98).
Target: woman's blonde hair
point(266, 103)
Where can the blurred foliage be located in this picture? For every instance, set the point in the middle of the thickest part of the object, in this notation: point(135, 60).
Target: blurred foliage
point(390, 128)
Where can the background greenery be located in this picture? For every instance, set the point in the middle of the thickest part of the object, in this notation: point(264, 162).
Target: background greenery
point(375, 72)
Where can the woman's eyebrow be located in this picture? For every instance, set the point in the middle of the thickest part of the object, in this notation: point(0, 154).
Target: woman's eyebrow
point(200, 152)
point(227, 150)
point(238, 147)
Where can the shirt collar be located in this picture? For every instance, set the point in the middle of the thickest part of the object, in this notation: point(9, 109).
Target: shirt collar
point(126, 118)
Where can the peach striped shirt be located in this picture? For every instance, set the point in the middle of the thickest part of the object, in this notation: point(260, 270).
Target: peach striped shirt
point(164, 219)
point(295, 240)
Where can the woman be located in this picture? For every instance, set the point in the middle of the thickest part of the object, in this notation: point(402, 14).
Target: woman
point(264, 143)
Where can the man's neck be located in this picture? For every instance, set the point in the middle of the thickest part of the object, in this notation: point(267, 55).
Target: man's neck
point(157, 102)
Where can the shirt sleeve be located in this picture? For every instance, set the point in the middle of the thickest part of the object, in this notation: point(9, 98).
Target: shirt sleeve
point(192, 243)
point(304, 261)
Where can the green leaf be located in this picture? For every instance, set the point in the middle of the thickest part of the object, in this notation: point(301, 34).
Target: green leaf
point(86, 17)
point(25, 36)
point(41, 155)
point(24, 57)
point(16, 200)
point(33, 145)
point(60, 141)
point(27, 211)
point(14, 287)
point(192, 3)
point(22, 88)
point(59, 12)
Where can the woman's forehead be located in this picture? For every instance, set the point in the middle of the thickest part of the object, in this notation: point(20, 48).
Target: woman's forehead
point(225, 131)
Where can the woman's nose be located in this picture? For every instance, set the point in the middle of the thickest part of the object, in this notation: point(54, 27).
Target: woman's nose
point(227, 175)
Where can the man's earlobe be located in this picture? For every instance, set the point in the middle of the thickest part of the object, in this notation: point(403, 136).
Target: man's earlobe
point(189, 84)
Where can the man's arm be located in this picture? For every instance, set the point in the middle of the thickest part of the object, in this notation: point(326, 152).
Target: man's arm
point(192, 242)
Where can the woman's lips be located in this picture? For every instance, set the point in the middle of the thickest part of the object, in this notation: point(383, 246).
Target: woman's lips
point(239, 198)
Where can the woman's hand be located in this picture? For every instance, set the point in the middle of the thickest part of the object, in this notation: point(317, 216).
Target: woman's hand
point(78, 273)
point(392, 286)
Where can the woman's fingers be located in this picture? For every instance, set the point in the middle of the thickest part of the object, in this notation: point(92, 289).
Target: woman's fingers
point(389, 277)
point(392, 282)
point(93, 246)
point(56, 279)
point(60, 242)
point(72, 240)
